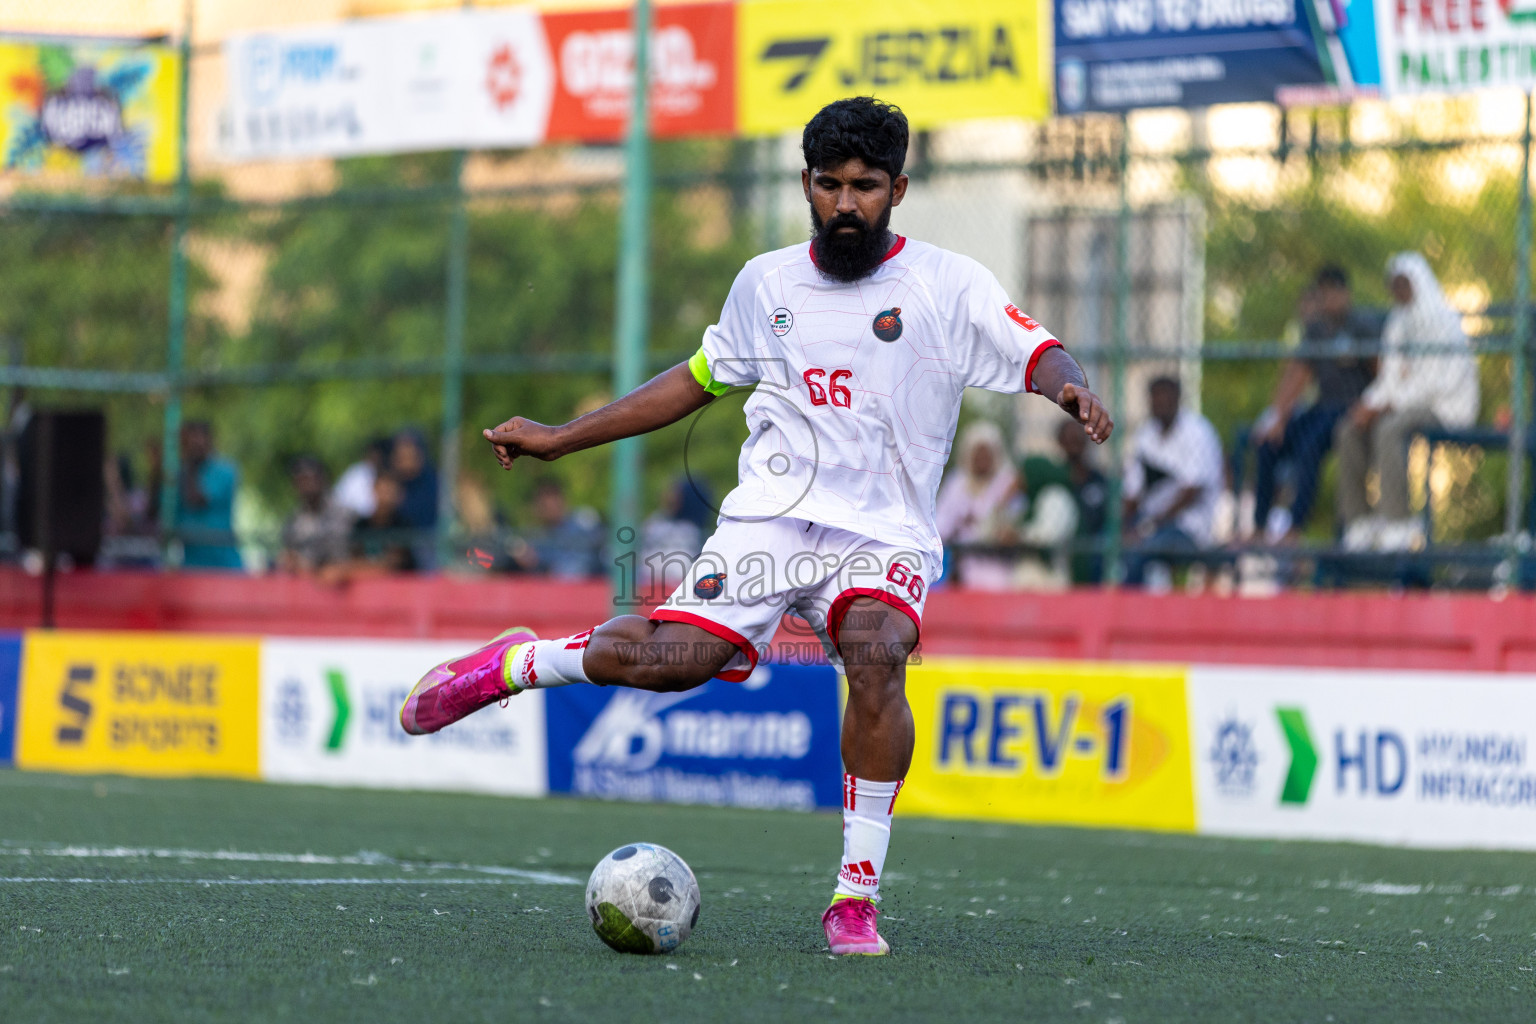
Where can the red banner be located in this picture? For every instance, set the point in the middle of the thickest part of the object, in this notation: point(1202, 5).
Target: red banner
point(693, 81)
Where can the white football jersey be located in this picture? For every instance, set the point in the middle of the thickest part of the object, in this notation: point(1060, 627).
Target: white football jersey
point(859, 385)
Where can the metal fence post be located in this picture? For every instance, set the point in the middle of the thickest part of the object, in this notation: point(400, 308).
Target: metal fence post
point(1519, 400)
point(1113, 570)
point(176, 313)
point(632, 310)
point(453, 363)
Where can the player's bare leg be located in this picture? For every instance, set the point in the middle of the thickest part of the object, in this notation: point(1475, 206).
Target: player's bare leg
point(877, 751)
point(630, 650)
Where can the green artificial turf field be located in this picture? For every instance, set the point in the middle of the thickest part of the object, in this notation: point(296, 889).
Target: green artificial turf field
point(132, 899)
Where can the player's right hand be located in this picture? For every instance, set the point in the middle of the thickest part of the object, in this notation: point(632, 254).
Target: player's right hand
point(519, 436)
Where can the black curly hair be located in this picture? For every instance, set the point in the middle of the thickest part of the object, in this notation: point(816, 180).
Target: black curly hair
point(859, 126)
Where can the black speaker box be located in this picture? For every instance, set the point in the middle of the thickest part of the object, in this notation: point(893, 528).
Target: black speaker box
point(61, 498)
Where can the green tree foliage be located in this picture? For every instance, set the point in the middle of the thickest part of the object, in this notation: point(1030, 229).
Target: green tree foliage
point(365, 282)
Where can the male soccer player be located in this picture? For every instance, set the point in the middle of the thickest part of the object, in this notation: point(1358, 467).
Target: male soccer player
point(859, 346)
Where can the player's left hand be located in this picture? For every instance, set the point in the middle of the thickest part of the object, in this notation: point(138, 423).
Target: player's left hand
point(1088, 409)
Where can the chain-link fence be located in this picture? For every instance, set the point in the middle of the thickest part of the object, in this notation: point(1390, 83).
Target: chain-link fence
point(1223, 276)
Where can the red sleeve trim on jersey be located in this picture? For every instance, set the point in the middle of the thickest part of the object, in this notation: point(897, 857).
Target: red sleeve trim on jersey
point(725, 633)
point(841, 603)
point(901, 241)
point(1029, 371)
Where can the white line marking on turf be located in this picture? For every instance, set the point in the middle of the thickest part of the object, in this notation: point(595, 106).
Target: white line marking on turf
point(365, 858)
point(21, 880)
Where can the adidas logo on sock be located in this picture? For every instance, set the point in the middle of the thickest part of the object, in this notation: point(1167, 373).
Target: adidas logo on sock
point(862, 873)
point(527, 678)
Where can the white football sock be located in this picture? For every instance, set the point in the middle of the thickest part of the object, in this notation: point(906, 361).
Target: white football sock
point(867, 810)
point(545, 663)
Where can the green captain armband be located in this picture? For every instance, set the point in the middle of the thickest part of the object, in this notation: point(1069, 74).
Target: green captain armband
point(699, 365)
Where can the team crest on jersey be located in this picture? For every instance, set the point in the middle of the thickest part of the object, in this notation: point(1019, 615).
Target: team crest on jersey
point(1018, 316)
point(780, 321)
point(709, 587)
point(887, 325)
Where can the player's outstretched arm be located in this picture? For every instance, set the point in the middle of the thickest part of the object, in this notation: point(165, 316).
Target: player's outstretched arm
point(660, 401)
point(1059, 377)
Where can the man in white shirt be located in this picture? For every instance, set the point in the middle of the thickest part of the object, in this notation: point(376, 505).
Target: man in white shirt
point(858, 347)
point(1173, 481)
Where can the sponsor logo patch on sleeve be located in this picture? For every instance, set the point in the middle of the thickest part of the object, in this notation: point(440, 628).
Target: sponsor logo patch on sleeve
point(1018, 317)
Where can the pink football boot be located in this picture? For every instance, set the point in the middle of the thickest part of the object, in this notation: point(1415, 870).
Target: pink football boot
point(850, 925)
point(461, 686)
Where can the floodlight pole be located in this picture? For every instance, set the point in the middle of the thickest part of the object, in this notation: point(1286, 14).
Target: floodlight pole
point(176, 326)
point(457, 287)
point(1112, 572)
point(632, 312)
point(1519, 400)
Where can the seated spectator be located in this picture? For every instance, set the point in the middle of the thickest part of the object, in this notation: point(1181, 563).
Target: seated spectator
point(1173, 481)
point(480, 525)
point(317, 533)
point(1091, 492)
point(383, 540)
point(410, 465)
point(980, 503)
point(354, 488)
point(568, 543)
point(1415, 389)
point(1300, 439)
point(1050, 523)
point(205, 501)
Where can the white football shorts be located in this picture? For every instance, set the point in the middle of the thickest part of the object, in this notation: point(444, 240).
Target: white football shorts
point(749, 575)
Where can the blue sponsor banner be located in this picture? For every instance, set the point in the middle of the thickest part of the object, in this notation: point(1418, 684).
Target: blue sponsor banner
point(772, 741)
point(1123, 54)
point(10, 673)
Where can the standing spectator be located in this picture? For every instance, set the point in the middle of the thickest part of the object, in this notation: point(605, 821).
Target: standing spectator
point(1173, 481)
point(568, 542)
point(1340, 341)
point(205, 500)
point(316, 534)
point(980, 503)
point(354, 488)
point(1428, 378)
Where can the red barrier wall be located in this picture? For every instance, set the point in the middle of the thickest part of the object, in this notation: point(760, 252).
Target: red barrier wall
point(1352, 630)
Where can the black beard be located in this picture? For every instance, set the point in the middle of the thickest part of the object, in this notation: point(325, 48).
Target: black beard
point(849, 257)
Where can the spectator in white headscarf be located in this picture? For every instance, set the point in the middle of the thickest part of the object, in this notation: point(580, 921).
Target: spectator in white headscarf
point(980, 503)
point(1428, 378)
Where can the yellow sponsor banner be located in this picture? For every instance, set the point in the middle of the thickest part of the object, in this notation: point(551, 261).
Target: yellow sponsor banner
point(139, 703)
point(1051, 742)
point(90, 108)
point(940, 62)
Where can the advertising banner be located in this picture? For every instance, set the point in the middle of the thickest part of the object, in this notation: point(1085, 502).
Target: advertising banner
point(1119, 56)
point(954, 61)
point(1050, 742)
point(1455, 47)
point(772, 741)
point(91, 108)
point(479, 78)
point(330, 714)
point(138, 703)
point(10, 677)
point(693, 72)
point(1416, 758)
